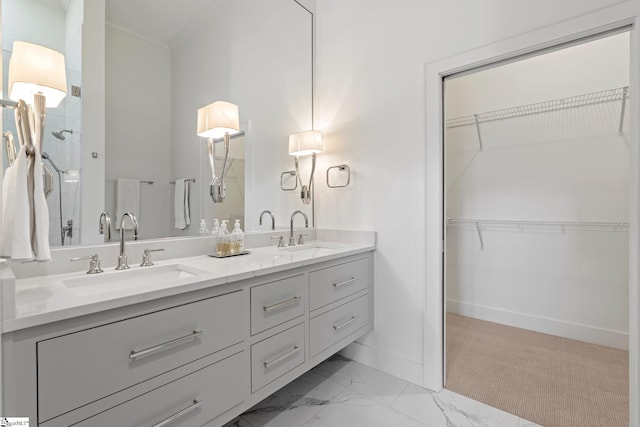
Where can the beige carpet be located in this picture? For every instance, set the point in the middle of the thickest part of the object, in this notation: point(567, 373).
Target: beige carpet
point(555, 382)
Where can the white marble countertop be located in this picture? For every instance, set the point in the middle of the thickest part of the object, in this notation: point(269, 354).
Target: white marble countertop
point(49, 298)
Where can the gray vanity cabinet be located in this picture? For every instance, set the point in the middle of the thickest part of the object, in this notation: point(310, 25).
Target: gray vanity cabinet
point(100, 361)
point(195, 358)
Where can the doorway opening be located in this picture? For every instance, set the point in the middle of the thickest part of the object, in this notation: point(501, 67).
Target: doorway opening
point(536, 211)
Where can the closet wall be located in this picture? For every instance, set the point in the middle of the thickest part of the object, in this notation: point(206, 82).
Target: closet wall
point(537, 193)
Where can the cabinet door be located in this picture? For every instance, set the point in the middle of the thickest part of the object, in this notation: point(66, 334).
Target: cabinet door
point(192, 400)
point(82, 367)
point(277, 302)
point(333, 283)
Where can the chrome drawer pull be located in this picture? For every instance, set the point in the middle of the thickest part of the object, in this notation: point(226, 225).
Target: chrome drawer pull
point(195, 405)
point(346, 282)
point(270, 363)
point(164, 346)
point(276, 306)
point(345, 323)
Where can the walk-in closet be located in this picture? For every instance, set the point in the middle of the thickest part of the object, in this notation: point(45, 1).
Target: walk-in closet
point(537, 210)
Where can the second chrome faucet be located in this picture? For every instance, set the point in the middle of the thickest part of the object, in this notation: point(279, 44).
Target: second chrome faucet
point(292, 241)
point(122, 258)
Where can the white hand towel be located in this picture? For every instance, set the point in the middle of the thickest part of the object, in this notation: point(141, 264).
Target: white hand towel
point(15, 235)
point(40, 236)
point(187, 209)
point(179, 205)
point(127, 200)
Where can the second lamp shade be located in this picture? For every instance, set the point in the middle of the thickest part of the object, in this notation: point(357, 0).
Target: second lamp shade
point(305, 143)
point(218, 118)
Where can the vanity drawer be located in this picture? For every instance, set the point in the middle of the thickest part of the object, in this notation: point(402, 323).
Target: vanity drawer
point(276, 356)
point(82, 367)
point(191, 400)
point(332, 326)
point(332, 283)
point(275, 303)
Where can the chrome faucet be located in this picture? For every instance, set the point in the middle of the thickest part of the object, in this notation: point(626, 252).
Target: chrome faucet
point(122, 259)
point(104, 227)
point(273, 220)
point(292, 241)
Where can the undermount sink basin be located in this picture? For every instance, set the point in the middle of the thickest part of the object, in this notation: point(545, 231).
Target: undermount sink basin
point(136, 279)
point(313, 248)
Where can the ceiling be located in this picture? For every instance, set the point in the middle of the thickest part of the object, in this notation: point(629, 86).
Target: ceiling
point(159, 20)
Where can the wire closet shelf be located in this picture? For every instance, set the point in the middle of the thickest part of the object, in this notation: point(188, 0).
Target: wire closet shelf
point(618, 94)
point(522, 224)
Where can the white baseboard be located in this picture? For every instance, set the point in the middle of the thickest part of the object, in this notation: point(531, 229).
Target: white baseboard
point(389, 363)
point(575, 331)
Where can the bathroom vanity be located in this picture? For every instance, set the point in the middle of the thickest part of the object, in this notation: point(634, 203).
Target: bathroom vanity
point(189, 341)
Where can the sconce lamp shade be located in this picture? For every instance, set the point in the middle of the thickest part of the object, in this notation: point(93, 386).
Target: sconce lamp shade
point(218, 118)
point(305, 143)
point(37, 69)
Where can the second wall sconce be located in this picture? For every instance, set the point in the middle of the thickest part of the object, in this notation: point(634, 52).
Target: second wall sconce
point(304, 144)
point(218, 120)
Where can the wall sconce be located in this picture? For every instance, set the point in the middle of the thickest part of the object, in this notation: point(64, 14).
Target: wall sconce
point(218, 120)
point(37, 80)
point(303, 144)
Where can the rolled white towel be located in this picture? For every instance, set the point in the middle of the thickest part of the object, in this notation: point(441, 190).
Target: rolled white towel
point(15, 235)
point(40, 236)
point(179, 206)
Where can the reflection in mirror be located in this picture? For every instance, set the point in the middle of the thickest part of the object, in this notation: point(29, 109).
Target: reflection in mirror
point(161, 65)
point(236, 51)
point(57, 25)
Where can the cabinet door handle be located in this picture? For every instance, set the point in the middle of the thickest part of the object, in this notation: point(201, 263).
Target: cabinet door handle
point(195, 405)
point(346, 282)
point(278, 305)
point(339, 326)
point(164, 346)
point(272, 362)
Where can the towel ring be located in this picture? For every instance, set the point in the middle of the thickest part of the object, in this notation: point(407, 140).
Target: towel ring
point(287, 173)
point(340, 168)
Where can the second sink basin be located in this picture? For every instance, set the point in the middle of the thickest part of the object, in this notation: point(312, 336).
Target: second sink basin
point(312, 248)
point(136, 279)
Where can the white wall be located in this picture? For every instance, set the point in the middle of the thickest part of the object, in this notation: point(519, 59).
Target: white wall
point(370, 71)
point(268, 77)
point(138, 126)
point(34, 21)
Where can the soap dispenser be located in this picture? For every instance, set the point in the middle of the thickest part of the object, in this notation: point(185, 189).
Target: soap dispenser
point(203, 228)
point(215, 232)
point(224, 241)
point(237, 239)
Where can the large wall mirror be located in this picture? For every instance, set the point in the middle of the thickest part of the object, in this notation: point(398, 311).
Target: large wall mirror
point(162, 61)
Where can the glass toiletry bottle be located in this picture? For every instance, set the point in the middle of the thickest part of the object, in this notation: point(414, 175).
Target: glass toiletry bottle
point(203, 228)
point(224, 240)
point(215, 232)
point(237, 239)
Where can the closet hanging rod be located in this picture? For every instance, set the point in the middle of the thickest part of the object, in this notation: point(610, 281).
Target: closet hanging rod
point(617, 94)
point(498, 222)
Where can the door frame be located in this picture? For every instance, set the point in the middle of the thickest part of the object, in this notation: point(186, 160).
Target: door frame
point(624, 15)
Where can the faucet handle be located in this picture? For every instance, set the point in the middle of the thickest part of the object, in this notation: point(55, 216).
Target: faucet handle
point(301, 238)
point(280, 240)
point(94, 263)
point(146, 257)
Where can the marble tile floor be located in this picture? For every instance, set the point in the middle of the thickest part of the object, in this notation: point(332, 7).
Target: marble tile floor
point(342, 393)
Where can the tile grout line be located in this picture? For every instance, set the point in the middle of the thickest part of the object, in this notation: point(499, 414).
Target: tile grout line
point(399, 394)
